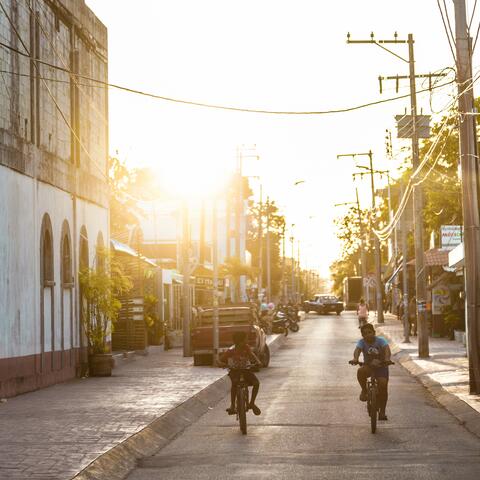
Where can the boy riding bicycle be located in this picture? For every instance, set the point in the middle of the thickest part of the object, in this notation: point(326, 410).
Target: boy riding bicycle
point(376, 354)
point(238, 357)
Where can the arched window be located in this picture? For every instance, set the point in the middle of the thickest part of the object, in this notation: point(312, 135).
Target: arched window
point(67, 331)
point(83, 263)
point(47, 317)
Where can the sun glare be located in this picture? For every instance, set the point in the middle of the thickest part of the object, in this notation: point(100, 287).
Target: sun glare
point(193, 178)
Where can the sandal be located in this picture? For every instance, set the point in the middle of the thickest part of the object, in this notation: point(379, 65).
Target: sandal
point(255, 409)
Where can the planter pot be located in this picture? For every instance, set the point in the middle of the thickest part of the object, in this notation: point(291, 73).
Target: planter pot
point(100, 364)
point(459, 336)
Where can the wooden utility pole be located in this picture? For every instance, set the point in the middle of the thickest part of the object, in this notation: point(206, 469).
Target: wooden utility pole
point(292, 240)
point(284, 280)
point(260, 246)
point(238, 220)
point(363, 261)
point(469, 166)
point(187, 312)
point(215, 281)
point(405, 301)
point(269, 285)
point(420, 285)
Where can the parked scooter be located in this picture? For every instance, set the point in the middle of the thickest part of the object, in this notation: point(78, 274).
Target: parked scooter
point(292, 317)
point(285, 321)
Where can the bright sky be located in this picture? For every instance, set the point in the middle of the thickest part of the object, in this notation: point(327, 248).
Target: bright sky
point(269, 55)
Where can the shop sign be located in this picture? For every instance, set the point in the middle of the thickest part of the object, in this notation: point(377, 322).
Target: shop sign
point(440, 299)
point(451, 236)
point(207, 282)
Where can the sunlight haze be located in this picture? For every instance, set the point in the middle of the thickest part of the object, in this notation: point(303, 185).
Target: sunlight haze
point(268, 55)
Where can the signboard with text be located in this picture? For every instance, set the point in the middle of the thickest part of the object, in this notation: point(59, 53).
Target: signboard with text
point(207, 282)
point(450, 236)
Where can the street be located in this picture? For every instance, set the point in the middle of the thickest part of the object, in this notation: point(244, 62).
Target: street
point(313, 425)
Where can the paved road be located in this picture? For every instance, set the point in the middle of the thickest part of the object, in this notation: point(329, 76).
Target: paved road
point(313, 426)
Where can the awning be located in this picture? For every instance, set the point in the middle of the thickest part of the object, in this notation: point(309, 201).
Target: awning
point(127, 250)
point(456, 257)
point(435, 257)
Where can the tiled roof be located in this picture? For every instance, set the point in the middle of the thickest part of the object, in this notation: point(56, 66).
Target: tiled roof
point(435, 257)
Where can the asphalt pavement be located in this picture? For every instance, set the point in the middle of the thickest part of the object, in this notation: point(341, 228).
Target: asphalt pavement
point(314, 427)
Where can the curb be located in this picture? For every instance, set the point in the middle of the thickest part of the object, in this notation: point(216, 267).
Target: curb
point(464, 413)
point(117, 463)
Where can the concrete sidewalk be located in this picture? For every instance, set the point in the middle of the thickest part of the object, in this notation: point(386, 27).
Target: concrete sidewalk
point(444, 373)
point(95, 428)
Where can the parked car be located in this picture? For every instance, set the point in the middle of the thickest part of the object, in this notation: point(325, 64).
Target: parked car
point(231, 319)
point(324, 303)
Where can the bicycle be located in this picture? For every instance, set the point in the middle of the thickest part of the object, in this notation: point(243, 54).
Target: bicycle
point(242, 397)
point(372, 395)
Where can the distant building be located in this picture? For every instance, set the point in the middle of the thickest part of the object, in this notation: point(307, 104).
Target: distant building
point(53, 185)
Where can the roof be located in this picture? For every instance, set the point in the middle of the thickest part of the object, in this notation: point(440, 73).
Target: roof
point(435, 257)
point(120, 247)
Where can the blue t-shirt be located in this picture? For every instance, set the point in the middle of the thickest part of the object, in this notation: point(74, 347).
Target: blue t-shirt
point(373, 350)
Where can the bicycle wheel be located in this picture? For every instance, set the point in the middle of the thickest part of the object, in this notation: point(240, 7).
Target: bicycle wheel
point(373, 409)
point(241, 409)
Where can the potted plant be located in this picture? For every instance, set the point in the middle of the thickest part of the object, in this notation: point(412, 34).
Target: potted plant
point(101, 288)
point(452, 321)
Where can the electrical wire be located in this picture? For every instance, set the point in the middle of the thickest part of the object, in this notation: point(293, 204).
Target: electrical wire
point(471, 18)
point(446, 30)
point(224, 107)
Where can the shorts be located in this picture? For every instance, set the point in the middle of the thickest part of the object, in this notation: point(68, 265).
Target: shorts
point(380, 372)
point(250, 377)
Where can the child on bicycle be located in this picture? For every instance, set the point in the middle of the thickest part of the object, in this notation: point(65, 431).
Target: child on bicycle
point(376, 355)
point(241, 356)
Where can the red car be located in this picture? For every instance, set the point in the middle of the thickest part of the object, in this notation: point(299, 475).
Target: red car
point(230, 319)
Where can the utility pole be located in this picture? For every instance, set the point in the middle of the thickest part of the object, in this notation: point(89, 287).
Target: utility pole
point(363, 261)
point(406, 323)
point(420, 285)
point(260, 245)
point(238, 216)
point(269, 291)
point(186, 282)
point(299, 276)
point(469, 166)
point(378, 264)
point(292, 240)
point(215, 281)
point(284, 280)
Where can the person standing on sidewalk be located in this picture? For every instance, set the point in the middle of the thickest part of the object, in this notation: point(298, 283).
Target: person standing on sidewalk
point(412, 316)
point(362, 312)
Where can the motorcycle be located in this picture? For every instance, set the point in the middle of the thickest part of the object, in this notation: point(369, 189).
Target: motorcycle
point(291, 314)
point(282, 323)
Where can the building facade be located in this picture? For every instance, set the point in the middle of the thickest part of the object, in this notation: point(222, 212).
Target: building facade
point(53, 184)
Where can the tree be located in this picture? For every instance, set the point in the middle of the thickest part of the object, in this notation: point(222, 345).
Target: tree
point(259, 213)
point(101, 289)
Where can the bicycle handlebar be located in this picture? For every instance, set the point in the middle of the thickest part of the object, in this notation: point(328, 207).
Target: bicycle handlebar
point(383, 364)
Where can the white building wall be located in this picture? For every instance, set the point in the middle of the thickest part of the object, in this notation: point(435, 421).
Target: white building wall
point(20, 283)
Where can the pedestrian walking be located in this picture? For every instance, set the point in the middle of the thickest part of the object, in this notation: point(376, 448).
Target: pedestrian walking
point(412, 316)
point(362, 312)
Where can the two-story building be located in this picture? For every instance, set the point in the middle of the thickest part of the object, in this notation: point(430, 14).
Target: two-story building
point(53, 184)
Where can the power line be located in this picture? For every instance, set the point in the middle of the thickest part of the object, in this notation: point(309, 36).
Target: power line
point(224, 107)
point(446, 29)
